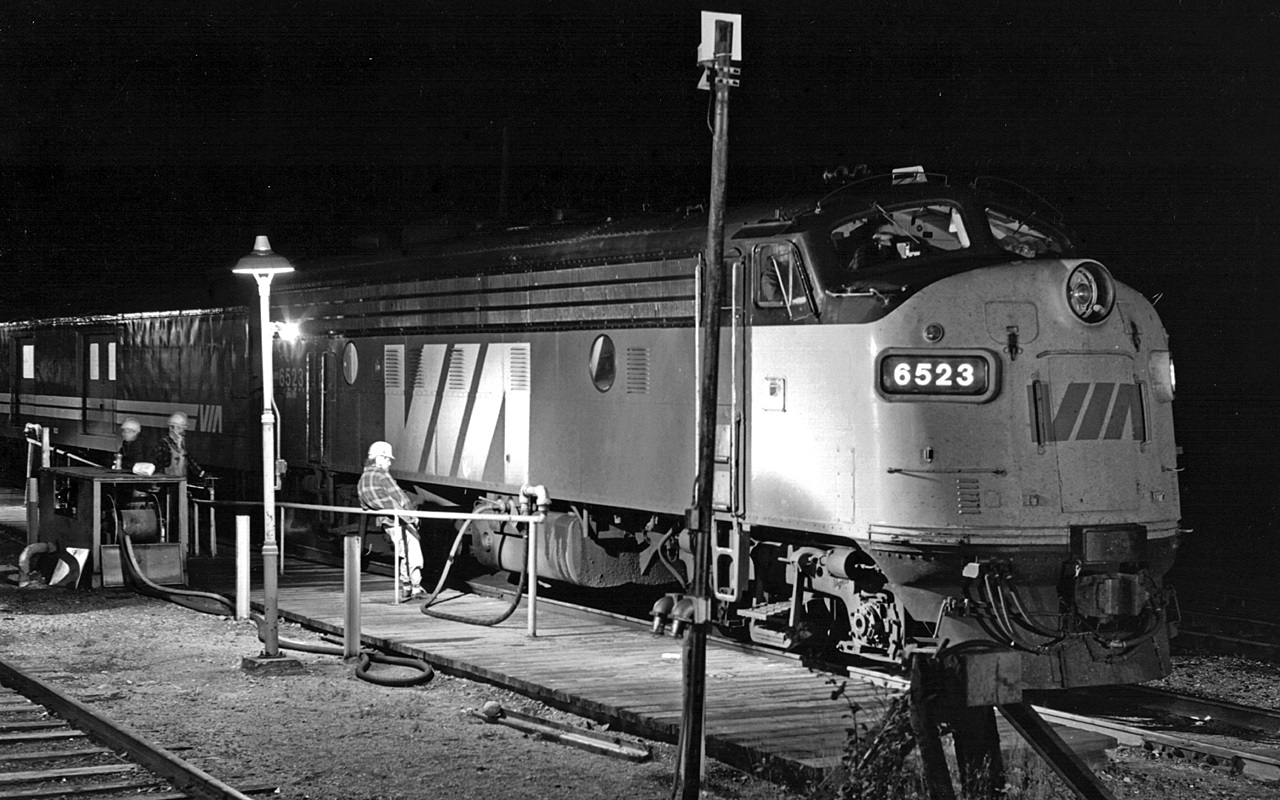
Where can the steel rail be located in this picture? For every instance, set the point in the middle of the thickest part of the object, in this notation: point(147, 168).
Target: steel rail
point(1240, 762)
point(119, 737)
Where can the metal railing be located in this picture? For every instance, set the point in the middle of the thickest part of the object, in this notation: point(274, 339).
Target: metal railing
point(534, 502)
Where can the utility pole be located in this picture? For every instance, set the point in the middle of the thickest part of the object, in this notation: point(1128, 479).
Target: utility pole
point(701, 520)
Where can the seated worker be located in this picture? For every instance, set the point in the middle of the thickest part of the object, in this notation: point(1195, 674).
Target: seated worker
point(181, 463)
point(378, 490)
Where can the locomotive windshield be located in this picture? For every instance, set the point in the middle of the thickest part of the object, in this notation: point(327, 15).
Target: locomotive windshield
point(887, 236)
point(882, 241)
point(1017, 234)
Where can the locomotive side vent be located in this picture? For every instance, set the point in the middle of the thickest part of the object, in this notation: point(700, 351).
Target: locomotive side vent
point(393, 368)
point(637, 370)
point(968, 496)
point(459, 371)
point(419, 370)
point(518, 368)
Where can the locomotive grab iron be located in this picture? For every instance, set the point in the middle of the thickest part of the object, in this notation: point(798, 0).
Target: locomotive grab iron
point(940, 430)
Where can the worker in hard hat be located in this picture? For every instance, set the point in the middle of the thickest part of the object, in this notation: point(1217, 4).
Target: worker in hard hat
point(181, 463)
point(378, 490)
point(133, 448)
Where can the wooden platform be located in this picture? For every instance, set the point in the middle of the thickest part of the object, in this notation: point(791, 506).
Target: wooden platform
point(766, 713)
point(762, 712)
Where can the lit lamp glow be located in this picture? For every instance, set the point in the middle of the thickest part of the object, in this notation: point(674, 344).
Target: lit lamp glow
point(264, 265)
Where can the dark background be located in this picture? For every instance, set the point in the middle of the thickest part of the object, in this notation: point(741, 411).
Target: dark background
point(144, 147)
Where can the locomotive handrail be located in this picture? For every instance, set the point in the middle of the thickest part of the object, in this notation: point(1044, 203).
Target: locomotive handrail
point(535, 495)
point(385, 512)
point(60, 452)
point(945, 471)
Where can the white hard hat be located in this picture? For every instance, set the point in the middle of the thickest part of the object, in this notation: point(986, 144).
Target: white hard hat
point(380, 449)
point(131, 424)
point(177, 420)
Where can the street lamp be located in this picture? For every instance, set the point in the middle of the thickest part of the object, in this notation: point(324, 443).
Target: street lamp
point(263, 265)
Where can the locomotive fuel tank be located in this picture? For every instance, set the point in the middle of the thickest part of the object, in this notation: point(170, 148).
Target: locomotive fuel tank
point(573, 548)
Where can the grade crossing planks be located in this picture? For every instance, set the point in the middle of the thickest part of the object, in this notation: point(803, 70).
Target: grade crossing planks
point(761, 710)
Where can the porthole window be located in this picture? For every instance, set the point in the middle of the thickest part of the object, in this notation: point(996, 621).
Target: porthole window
point(350, 363)
point(602, 366)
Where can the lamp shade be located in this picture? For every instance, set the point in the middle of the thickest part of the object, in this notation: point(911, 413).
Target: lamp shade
point(262, 260)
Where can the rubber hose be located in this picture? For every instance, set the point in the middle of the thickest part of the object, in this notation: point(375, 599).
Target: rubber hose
point(196, 601)
point(485, 621)
point(367, 659)
point(204, 601)
point(444, 576)
point(24, 559)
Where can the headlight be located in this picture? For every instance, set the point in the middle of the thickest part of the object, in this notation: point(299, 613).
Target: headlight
point(1163, 381)
point(1090, 292)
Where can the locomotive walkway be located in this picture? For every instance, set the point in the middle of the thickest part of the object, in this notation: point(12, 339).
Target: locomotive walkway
point(764, 712)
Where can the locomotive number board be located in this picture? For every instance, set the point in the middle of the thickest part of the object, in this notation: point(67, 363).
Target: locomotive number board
point(935, 374)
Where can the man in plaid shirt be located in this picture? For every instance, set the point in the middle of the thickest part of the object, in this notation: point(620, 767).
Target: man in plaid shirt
point(379, 490)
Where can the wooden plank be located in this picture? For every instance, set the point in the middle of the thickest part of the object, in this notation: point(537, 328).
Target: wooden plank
point(61, 791)
point(54, 755)
point(37, 725)
point(36, 776)
point(759, 709)
point(39, 736)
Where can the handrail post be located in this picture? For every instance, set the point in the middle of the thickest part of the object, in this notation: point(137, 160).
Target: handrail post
point(209, 482)
point(193, 522)
point(351, 544)
point(242, 567)
point(531, 577)
point(533, 499)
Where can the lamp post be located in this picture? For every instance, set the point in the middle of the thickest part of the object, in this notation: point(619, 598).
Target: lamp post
point(264, 265)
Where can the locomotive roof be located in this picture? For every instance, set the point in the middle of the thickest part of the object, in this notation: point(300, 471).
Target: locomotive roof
point(647, 237)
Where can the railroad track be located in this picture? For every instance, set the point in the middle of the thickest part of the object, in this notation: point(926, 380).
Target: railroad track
point(54, 746)
point(1228, 614)
point(1241, 740)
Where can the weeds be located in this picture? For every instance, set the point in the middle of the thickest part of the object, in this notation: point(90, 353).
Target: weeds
point(879, 763)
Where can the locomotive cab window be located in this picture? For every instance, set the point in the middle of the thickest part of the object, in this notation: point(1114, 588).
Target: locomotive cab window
point(1020, 236)
point(886, 237)
point(780, 279)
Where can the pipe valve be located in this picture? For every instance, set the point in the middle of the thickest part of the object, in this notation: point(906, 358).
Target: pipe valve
point(681, 616)
point(662, 612)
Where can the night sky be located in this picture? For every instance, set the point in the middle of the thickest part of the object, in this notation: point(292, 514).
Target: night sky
point(141, 144)
point(145, 145)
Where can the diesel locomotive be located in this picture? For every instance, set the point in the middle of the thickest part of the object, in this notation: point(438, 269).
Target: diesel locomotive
point(941, 428)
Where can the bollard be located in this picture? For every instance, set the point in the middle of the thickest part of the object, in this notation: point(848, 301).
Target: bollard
point(33, 510)
point(242, 567)
point(351, 595)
